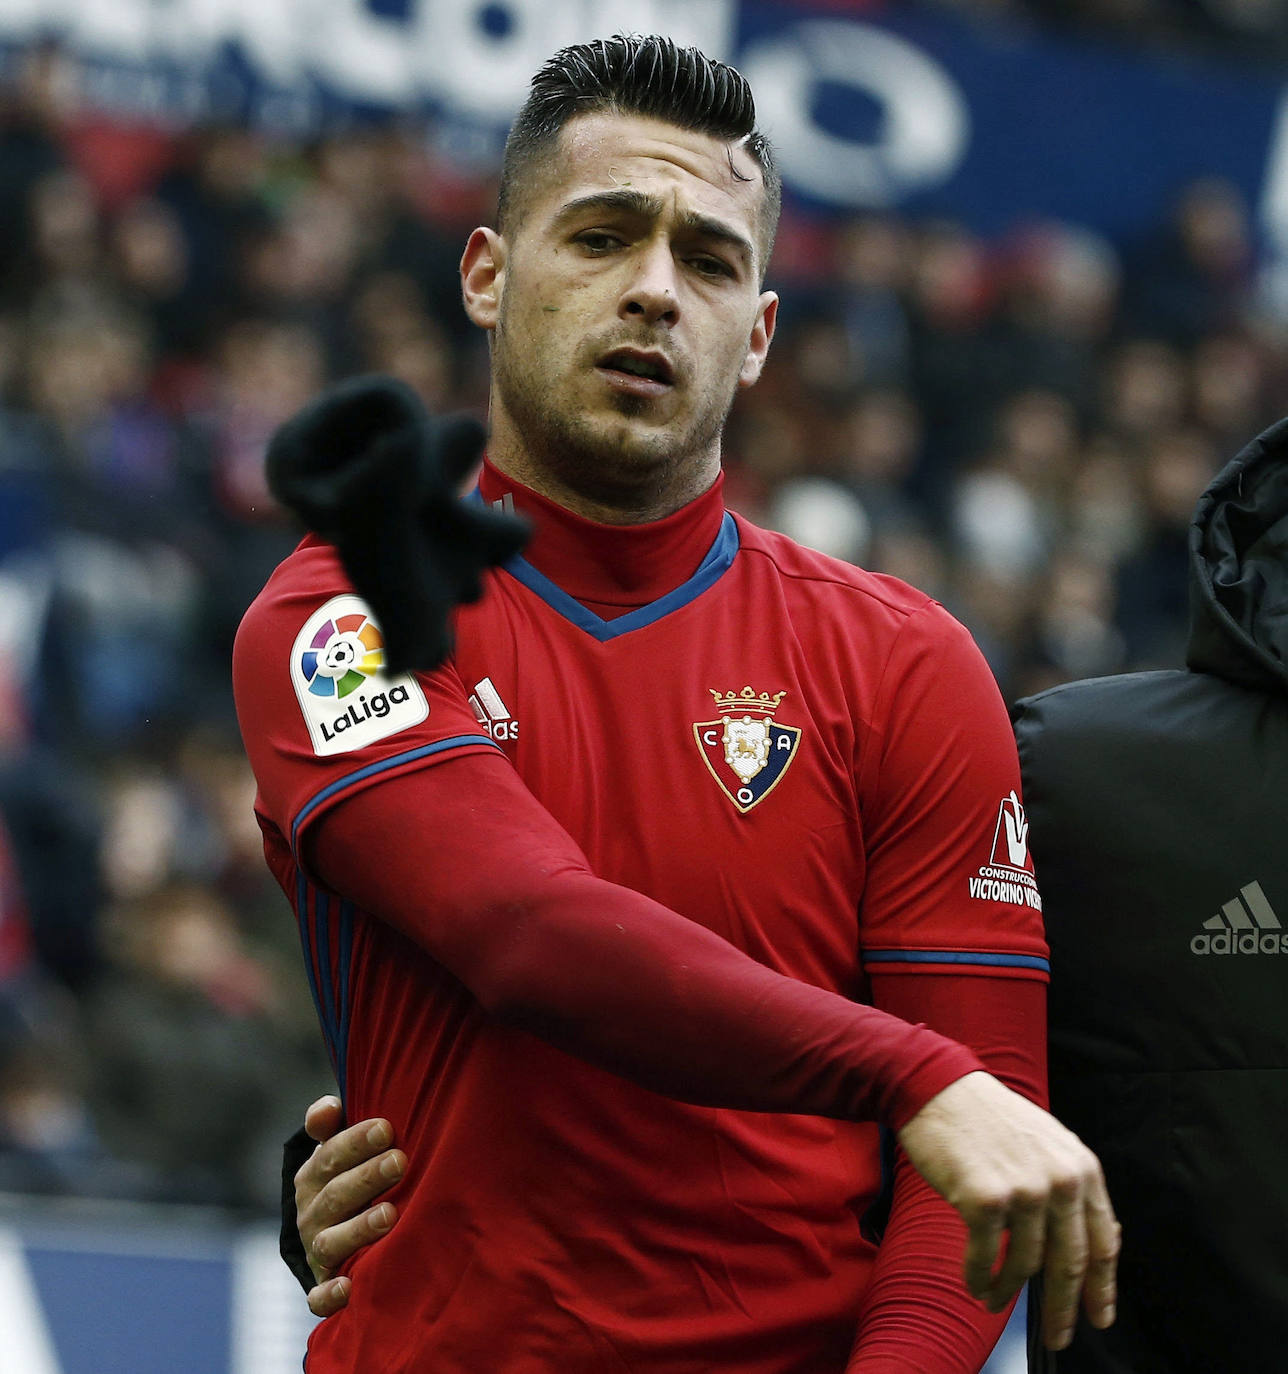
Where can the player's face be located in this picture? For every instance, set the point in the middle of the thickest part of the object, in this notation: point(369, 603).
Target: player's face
point(627, 311)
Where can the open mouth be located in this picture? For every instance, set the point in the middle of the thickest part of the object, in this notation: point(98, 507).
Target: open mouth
point(644, 367)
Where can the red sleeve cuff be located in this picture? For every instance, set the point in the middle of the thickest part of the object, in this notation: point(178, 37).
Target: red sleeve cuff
point(944, 1063)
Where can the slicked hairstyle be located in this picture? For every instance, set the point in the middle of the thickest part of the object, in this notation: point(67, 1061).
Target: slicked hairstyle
point(631, 74)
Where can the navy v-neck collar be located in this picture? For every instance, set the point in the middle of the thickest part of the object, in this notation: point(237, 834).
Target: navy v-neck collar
point(611, 579)
point(719, 558)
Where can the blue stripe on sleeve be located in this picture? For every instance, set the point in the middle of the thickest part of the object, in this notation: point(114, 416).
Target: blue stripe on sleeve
point(955, 956)
point(372, 769)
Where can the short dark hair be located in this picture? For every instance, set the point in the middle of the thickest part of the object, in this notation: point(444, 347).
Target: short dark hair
point(632, 74)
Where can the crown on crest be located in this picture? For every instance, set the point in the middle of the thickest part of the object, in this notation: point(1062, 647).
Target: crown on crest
point(748, 701)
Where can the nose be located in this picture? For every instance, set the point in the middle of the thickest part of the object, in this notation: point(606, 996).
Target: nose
point(650, 296)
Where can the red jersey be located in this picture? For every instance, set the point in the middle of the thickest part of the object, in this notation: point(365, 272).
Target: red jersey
point(807, 759)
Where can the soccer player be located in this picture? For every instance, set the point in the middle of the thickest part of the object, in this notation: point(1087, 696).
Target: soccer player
point(700, 862)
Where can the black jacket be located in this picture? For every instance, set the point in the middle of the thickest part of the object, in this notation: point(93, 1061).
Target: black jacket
point(1158, 810)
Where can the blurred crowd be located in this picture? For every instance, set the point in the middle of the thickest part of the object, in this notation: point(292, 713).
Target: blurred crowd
point(1019, 427)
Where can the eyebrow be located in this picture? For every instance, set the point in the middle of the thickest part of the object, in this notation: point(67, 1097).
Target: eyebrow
point(647, 206)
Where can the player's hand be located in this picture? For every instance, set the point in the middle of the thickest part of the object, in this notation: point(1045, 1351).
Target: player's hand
point(333, 1191)
point(367, 467)
point(1015, 1173)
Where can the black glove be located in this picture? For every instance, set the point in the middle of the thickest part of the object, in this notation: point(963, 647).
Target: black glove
point(367, 468)
point(295, 1154)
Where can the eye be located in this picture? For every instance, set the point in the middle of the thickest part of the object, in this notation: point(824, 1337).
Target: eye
point(597, 241)
point(708, 266)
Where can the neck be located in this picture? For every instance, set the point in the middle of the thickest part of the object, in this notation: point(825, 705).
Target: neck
point(651, 493)
point(609, 568)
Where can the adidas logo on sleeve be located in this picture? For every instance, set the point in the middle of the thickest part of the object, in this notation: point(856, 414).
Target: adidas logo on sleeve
point(1247, 924)
point(491, 712)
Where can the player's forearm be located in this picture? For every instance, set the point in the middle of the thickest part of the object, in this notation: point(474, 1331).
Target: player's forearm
point(606, 973)
point(917, 1316)
point(619, 980)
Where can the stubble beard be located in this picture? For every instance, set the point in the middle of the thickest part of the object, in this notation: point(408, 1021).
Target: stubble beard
point(616, 466)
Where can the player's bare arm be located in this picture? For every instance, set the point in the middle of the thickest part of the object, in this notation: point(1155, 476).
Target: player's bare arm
point(334, 1192)
point(1016, 1175)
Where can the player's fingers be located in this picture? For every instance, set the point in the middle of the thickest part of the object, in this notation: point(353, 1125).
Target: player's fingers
point(1066, 1262)
point(1104, 1241)
point(324, 1117)
point(985, 1224)
point(1024, 1251)
point(330, 1297)
point(348, 1149)
point(331, 1247)
point(339, 1219)
point(343, 1197)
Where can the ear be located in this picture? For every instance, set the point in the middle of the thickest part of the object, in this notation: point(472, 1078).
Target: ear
point(483, 277)
point(762, 334)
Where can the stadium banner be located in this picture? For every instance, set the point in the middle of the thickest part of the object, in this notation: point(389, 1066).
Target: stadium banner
point(872, 105)
point(120, 1288)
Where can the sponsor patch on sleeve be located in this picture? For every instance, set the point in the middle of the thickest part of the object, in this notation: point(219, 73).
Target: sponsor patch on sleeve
point(337, 667)
point(1008, 874)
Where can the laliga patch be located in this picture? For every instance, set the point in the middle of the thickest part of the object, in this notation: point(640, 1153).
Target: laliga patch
point(747, 751)
point(337, 668)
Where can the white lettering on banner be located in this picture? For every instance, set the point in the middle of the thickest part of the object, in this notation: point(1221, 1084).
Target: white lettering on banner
point(27, 1345)
point(1274, 198)
point(115, 30)
point(1273, 213)
point(925, 124)
point(483, 68)
point(363, 56)
point(478, 57)
point(269, 35)
point(270, 1325)
point(22, 19)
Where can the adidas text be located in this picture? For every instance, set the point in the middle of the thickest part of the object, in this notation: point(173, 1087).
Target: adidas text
point(1241, 942)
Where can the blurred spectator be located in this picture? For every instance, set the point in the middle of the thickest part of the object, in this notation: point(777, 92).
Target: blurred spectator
point(149, 255)
point(52, 819)
point(191, 1074)
point(33, 111)
point(880, 441)
point(952, 374)
point(1228, 383)
point(875, 254)
point(1058, 288)
point(1105, 515)
point(822, 515)
point(218, 194)
point(1153, 604)
point(48, 1143)
point(1145, 389)
point(1073, 632)
point(1196, 276)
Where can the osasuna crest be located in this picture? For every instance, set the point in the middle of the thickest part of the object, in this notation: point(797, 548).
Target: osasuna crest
point(746, 750)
